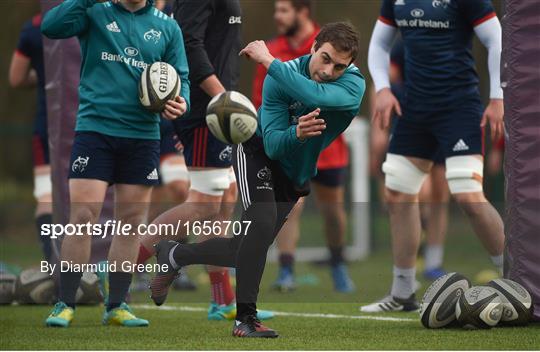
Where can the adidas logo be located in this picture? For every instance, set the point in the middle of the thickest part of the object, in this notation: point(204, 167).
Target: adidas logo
point(153, 175)
point(113, 27)
point(399, 2)
point(460, 146)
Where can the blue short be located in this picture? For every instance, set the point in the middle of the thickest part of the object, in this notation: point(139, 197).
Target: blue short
point(168, 138)
point(330, 177)
point(114, 159)
point(201, 148)
point(440, 134)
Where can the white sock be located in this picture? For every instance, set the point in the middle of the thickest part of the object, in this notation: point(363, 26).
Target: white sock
point(433, 256)
point(403, 284)
point(498, 261)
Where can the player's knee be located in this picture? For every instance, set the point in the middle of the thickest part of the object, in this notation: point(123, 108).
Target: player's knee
point(203, 206)
point(179, 190)
point(401, 177)
point(471, 203)
point(465, 175)
point(333, 214)
point(83, 214)
point(395, 199)
point(211, 182)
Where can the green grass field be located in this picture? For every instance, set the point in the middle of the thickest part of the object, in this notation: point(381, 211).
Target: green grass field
point(314, 317)
point(22, 329)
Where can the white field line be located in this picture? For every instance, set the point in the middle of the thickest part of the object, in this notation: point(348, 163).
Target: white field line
point(283, 314)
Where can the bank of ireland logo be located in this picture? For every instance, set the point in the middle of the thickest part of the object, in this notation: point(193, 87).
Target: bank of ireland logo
point(417, 13)
point(80, 164)
point(152, 36)
point(131, 51)
point(226, 154)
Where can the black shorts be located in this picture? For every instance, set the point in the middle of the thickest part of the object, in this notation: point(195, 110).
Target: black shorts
point(330, 177)
point(201, 148)
point(450, 132)
point(261, 179)
point(114, 159)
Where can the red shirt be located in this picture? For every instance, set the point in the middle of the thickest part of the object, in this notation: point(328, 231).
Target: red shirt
point(336, 155)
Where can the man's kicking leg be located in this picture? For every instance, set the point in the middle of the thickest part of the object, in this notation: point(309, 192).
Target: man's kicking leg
point(266, 205)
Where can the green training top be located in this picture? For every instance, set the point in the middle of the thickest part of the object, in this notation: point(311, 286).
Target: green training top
point(116, 46)
point(289, 93)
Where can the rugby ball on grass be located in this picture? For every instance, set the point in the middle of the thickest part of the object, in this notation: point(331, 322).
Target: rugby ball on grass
point(516, 301)
point(480, 307)
point(438, 308)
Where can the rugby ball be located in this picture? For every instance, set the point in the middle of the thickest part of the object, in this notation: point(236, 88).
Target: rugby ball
point(7, 287)
point(35, 287)
point(438, 308)
point(480, 307)
point(516, 301)
point(159, 83)
point(231, 117)
point(88, 291)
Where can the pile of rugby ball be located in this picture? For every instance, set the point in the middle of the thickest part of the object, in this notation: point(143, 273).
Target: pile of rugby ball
point(32, 286)
point(451, 301)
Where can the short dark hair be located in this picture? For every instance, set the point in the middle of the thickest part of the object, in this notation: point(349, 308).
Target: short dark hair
point(301, 4)
point(342, 35)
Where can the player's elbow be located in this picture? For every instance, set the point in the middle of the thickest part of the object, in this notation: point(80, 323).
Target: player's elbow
point(48, 31)
point(49, 28)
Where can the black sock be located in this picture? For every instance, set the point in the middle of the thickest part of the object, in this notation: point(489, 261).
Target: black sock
point(244, 310)
point(336, 255)
point(118, 288)
point(44, 240)
point(69, 283)
point(286, 260)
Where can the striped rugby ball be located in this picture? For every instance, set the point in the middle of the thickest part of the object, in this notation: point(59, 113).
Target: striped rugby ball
point(438, 307)
point(159, 83)
point(516, 301)
point(480, 307)
point(231, 117)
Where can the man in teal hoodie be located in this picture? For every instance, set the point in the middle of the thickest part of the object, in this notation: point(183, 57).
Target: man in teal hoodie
point(307, 103)
point(116, 140)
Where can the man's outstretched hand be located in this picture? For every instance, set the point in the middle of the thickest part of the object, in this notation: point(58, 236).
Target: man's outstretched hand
point(258, 52)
